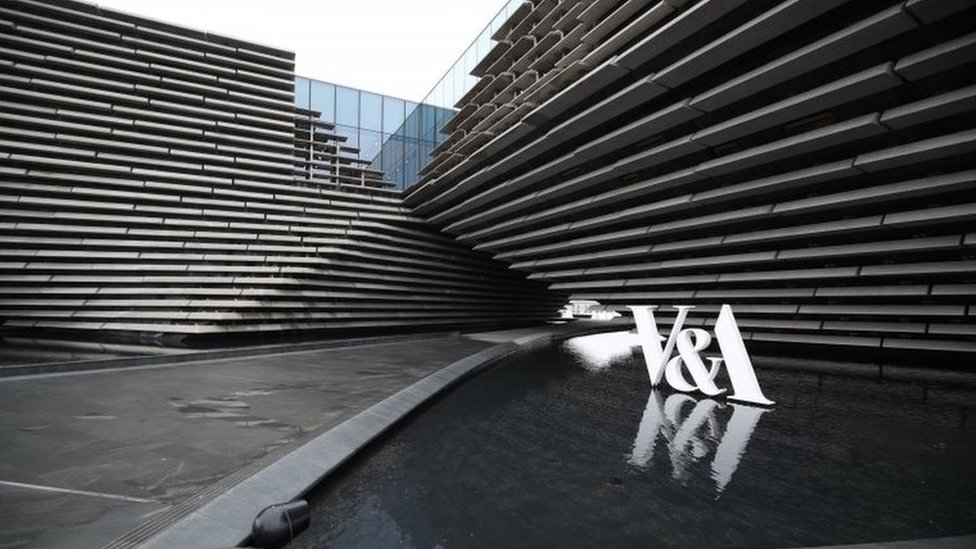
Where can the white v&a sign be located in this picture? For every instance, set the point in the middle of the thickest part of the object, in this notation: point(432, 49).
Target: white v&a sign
point(690, 342)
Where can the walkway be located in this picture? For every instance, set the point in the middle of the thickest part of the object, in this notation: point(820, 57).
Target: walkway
point(86, 457)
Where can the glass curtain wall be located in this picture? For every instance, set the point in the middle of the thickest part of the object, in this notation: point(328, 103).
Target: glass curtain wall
point(369, 121)
point(396, 135)
point(440, 104)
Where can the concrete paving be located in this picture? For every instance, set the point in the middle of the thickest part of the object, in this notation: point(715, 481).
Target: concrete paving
point(225, 519)
point(87, 456)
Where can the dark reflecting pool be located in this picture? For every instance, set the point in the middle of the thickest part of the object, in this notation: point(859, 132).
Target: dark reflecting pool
point(569, 447)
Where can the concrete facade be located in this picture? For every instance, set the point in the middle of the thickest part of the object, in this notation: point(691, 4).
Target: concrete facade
point(158, 180)
point(810, 163)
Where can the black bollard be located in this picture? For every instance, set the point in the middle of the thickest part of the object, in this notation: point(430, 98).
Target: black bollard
point(280, 523)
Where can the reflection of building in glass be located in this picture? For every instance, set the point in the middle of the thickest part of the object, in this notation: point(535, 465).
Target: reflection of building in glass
point(395, 135)
point(321, 155)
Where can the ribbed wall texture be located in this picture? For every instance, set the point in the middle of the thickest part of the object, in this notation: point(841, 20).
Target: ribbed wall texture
point(810, 162)
point(156, 179)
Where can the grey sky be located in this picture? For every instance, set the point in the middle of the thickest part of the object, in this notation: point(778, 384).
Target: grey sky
point(398, 48)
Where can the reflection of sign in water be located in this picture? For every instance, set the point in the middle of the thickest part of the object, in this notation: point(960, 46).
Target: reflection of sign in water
point(691, 436)
point(596, 353)
point(690, 343)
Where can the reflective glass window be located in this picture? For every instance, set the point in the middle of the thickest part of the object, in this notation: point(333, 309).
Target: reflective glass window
point(377, 164)
point(483, 45)
point(460, 80)
point(371, 111)
point(350, 133)
point(378, 160)
point(443, 116)
point(402, 174)
point(470, 60)
point(411, 164)
point(323, 100)
point(426, 147)
point(369, 144)
point(449, 83)
point(393, 160)
point(412, 124)
point(432, 94)
point(347, 106)
point(438, 95)
point(498, 21)
point(511, 7)
point(392, 114)
point(392, 153)
point(428, 122)
point(301, 92)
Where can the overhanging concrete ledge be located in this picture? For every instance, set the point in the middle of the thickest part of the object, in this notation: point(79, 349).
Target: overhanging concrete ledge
point(225, 521)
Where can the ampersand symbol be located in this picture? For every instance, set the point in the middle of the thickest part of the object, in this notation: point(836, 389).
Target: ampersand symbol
point(690, 343)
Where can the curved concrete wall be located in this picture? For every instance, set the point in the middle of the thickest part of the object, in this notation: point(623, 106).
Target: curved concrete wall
point(156, 179)
point(811, 163)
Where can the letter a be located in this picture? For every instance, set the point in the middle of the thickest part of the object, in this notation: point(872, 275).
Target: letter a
point(737, 362)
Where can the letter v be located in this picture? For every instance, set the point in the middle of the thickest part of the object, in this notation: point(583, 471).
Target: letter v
point(650, 338)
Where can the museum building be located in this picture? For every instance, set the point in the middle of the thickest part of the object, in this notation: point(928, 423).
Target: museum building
point(810, 163)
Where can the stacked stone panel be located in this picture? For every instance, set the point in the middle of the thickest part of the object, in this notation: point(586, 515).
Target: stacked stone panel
point(810, 163)
point(159, 180)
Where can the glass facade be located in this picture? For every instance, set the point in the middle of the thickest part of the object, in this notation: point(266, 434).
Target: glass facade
point(458, 80)
point(378, 125)
point(396, 135)
point(440, 103)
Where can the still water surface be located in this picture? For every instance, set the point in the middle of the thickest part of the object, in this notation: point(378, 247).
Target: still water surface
point(569, 447)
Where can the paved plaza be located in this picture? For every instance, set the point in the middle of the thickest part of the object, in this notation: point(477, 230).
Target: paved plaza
point(85, 457)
